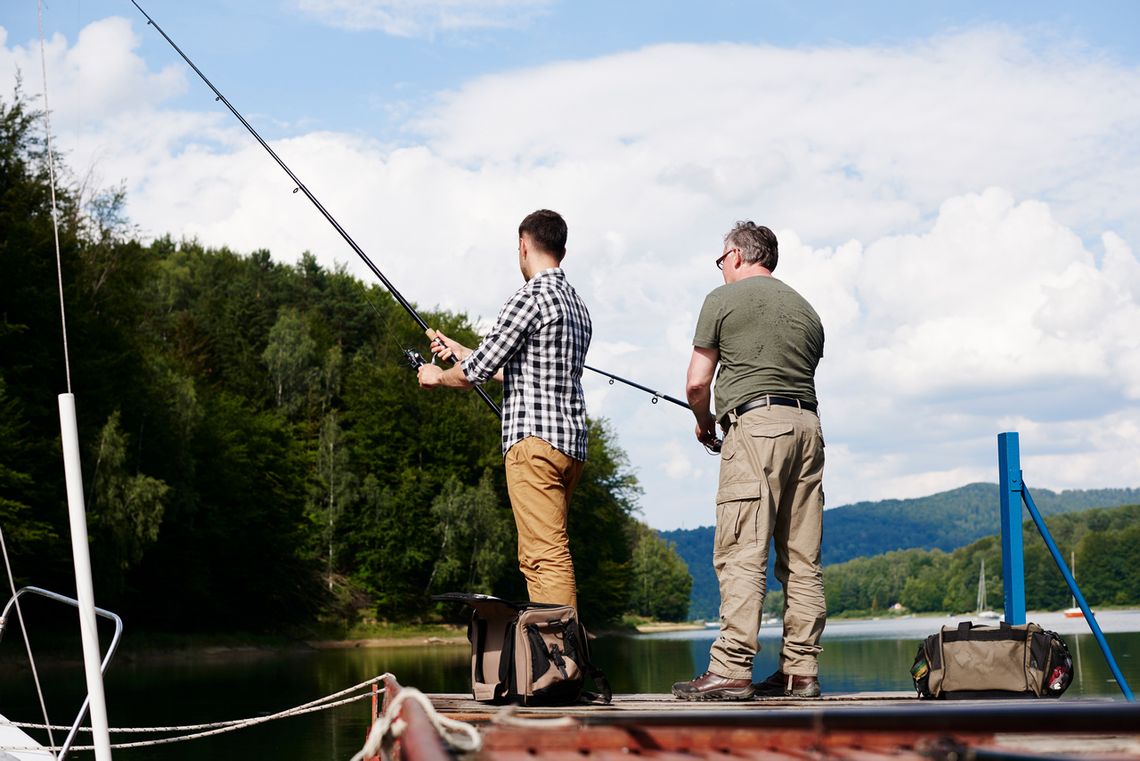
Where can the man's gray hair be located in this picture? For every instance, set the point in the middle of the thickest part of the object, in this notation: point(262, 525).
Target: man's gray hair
point(757, 244)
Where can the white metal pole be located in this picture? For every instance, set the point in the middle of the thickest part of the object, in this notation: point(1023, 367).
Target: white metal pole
point(85, 589)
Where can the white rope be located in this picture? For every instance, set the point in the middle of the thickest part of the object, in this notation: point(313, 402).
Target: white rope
point(508, 716)
point(217, 728)
point(24, 631)
point(458, 735)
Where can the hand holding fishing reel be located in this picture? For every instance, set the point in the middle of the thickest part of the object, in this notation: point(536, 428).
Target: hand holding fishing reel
point(713, 445)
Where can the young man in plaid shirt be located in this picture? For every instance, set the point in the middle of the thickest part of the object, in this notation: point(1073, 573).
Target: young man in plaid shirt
point(536, 348)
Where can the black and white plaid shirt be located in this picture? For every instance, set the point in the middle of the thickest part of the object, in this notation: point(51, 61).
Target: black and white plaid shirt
point(540, 338)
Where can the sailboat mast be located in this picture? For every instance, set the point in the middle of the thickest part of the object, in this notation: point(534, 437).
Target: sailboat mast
point(73, 479)
point(982, 587)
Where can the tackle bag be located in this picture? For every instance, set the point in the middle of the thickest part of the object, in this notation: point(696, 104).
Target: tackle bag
point(969, 661)
point(529, 653)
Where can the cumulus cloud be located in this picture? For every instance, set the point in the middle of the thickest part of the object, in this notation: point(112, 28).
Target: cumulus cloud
point(97, 77)
point(836, 143)
point(957, 210)
point(424, 18)
point(996, 318)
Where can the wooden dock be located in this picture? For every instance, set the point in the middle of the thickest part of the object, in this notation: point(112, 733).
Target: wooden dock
point(848, 727)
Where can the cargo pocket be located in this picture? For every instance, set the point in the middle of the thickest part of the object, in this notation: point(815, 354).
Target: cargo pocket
point(766, 429)
point(733, 465)
point(736, 513)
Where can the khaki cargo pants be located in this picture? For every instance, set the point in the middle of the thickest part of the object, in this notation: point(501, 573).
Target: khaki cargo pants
point(771, 487)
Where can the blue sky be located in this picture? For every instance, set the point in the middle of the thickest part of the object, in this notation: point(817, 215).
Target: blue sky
point(274, 58)
point(953, 185)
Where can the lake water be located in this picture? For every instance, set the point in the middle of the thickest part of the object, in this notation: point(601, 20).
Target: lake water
point(858, 656)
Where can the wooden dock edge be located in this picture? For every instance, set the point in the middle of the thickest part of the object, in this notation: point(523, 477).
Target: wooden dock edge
point(852, 727)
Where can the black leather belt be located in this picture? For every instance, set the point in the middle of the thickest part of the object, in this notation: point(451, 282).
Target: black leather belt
point(774, 401)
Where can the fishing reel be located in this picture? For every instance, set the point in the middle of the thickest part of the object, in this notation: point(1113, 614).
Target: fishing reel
point(714, 446)
point(414, 359)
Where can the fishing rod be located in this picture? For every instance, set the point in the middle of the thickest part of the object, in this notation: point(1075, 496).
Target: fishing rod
point(411, 356)
point(712, 447)
point(656, 394)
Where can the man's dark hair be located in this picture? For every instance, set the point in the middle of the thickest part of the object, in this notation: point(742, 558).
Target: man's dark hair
point(548, 230)
point(757, 244)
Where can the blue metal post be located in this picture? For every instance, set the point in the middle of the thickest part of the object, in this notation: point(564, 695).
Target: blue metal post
point(1092, 622)
point(1012, 553)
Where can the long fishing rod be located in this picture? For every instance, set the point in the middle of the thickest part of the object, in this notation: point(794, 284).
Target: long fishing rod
point(410, 355)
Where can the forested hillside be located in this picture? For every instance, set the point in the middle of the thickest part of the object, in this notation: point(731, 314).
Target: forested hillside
point(946, 520)
point(943, 521)
point(256, 452)
point(1104, 542)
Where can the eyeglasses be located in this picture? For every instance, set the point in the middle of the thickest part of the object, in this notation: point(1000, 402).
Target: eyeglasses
point(720, 261)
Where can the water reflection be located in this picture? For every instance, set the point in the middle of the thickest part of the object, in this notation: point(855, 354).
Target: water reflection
point(230, 685)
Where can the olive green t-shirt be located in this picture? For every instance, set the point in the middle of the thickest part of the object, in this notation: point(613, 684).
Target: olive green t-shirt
point(769, 337)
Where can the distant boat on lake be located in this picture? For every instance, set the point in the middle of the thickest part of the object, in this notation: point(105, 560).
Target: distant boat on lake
point(1074, 611)
point(983, 610)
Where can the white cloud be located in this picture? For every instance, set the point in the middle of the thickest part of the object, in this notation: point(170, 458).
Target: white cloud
point(423, 18)
point(835, 143)
point(958, 211)
point(97, 78)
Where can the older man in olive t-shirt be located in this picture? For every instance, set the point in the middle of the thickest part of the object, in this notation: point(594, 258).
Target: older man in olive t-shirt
point(767, 340)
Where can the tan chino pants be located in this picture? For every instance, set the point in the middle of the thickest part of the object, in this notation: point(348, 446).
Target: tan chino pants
point(540, 482)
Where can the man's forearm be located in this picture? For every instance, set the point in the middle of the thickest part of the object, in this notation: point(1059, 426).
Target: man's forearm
point(699, 397)
point(431, 376)
point(453, 377)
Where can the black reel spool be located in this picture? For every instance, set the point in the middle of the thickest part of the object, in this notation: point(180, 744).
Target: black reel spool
point(414, 359)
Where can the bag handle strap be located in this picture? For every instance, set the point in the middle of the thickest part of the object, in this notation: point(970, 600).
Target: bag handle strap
point(596, 674)
point(601, 683)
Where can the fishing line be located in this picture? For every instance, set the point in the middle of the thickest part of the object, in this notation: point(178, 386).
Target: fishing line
point(54, 208)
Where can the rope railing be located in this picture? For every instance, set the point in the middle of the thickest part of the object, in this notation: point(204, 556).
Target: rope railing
point(198, 731)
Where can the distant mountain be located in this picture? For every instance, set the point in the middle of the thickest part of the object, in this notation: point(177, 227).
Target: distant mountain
point(945, 521)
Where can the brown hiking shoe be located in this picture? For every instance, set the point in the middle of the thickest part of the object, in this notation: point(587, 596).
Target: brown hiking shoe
point(709, 686)
point(781, 685)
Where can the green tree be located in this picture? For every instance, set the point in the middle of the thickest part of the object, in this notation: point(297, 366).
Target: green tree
point(922, 594)
point(661, 581)
point(599, 526)
point(335, 488)
point(392, 546)
point(290, 356)
point(126, 509)
point(1109, 566)
point(23, 533)
point(475, 534)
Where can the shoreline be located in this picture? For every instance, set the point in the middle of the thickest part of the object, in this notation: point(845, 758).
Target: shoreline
point(411, 641)
point(228, 646)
